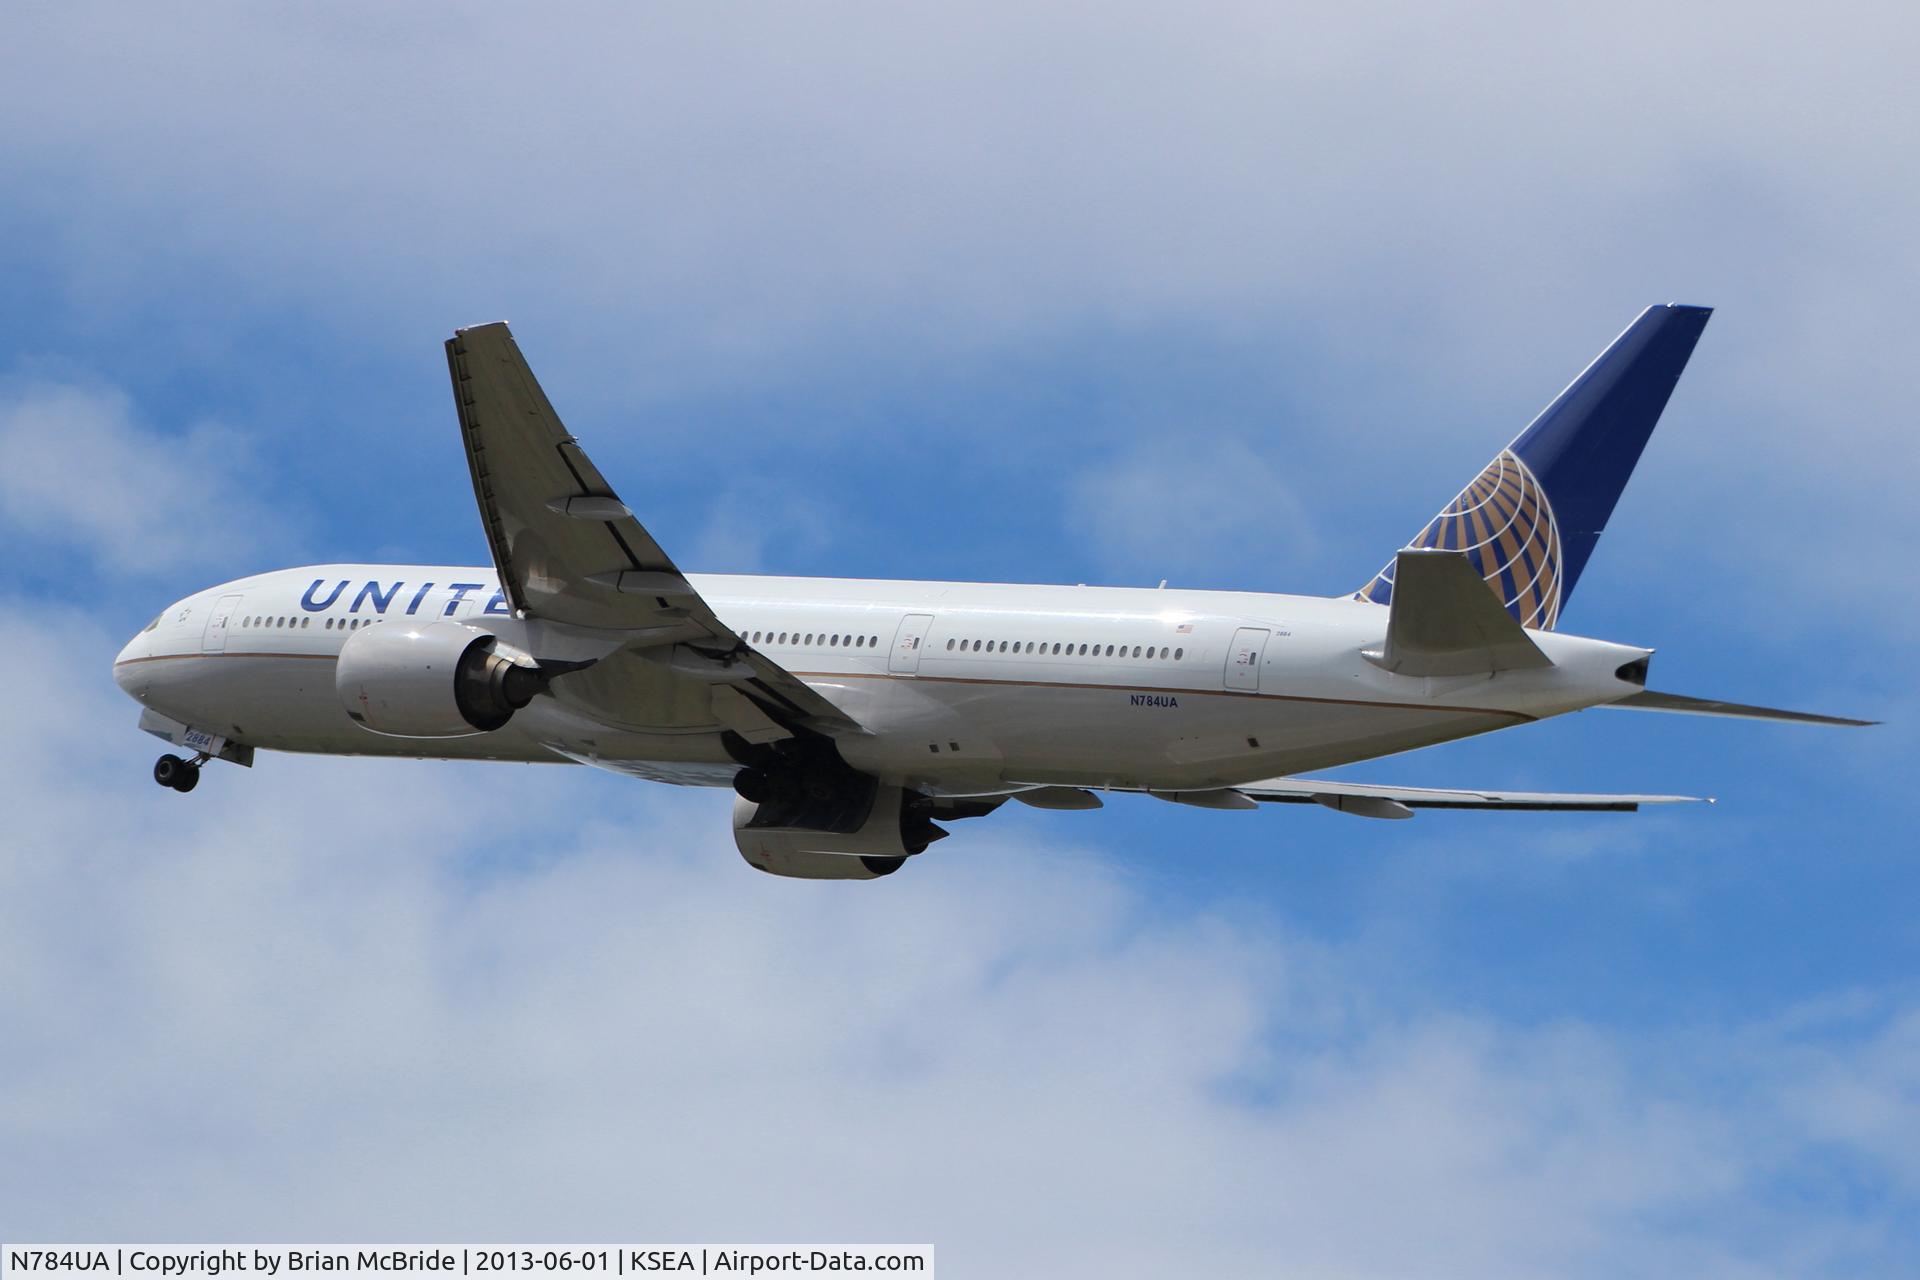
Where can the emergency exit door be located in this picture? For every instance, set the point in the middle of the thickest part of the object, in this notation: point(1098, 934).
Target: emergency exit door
point(907, 642)
point(215, 639)
point(1243, 658)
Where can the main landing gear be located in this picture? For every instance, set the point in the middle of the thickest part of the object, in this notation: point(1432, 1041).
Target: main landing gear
point(181, 775)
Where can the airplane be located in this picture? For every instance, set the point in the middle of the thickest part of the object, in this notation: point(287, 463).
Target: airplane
point(851, 718)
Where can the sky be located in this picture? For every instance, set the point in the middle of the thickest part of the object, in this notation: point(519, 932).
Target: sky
point(1231, 295)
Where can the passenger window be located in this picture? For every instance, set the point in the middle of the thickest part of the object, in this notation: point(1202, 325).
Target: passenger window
point(949, 645)
point(1178, 654)
point(976, 646)
point(1136, 651)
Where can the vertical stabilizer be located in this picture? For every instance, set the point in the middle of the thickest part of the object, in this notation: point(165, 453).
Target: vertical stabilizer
point(1529, 521)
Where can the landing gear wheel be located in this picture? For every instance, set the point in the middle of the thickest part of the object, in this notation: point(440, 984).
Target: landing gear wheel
point(172, 771)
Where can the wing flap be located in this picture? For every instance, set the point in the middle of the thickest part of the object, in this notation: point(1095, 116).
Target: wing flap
point(1373, 801)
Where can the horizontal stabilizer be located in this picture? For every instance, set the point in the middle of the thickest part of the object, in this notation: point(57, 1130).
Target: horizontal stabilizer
point(1648, 700)
point(1444, 622)
point(1369, 801)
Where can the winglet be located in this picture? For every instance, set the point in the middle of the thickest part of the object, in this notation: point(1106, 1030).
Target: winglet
point(1444, 621)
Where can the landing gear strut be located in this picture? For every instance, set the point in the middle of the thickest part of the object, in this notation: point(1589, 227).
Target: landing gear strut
point(181, 775)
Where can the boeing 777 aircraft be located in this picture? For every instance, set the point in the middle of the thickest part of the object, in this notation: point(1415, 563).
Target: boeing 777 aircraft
point(852, 717)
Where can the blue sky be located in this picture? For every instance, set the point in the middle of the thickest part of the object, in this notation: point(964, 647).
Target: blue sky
point(1109, 294)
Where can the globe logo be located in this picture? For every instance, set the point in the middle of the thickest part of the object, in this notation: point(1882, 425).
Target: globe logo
point(1502, 520)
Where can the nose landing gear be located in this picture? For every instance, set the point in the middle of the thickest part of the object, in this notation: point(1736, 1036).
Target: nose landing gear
point(181, 775)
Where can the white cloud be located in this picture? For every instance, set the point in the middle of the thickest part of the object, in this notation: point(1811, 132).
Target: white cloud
point(1449, 213)
point(1203, 511)
point(750, 514)
point(331, 998)
point(974, 175)
point(78, 469)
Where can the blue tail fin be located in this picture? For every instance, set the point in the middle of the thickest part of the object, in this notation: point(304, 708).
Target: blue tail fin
point(1530, 520)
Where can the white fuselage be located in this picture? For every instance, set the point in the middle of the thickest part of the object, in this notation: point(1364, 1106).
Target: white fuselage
point(965, 688)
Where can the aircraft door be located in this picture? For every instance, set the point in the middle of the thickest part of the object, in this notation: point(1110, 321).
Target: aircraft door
point(1243, 658)
point(215, 639)
point(905, 659)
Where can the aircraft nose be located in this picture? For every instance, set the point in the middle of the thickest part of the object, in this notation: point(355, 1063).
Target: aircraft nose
point(127, 664)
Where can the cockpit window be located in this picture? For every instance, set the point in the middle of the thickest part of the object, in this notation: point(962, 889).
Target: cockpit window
point(151, 625)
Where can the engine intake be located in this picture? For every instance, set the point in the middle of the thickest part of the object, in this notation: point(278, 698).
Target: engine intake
point(441, 680)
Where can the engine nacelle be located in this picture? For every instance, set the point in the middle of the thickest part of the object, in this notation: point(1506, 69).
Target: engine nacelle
point(438, 680)
point(890, 835)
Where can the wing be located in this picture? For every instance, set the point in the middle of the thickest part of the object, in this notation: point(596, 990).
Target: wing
point(1370, 801)
point(568, 550)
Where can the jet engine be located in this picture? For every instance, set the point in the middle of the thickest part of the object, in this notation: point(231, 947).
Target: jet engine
point(440, 680)
point(893, 831)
